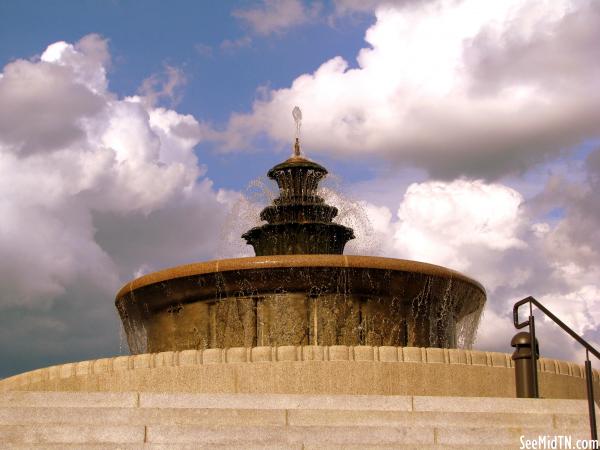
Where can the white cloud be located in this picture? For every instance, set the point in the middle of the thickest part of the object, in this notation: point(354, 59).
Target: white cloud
point(275, 16)
point(484, 230)
point(581, 306)
point(88, 60)
point(93, 188)
point(436, 221)
point(120, 157)
point(471, 87)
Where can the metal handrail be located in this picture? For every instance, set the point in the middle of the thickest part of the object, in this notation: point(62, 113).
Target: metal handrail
point(588, 349)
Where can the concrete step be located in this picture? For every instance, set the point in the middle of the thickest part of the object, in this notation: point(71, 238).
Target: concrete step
point(270, 435)
point(353, 435)
point(148, 446)
point(70, 399)
point(291, 402)
point(365, 403)
point(272, 417)
point(319, 446)
point(155, 420)
point(508, 405)
point(71, 434)
point(142, 416)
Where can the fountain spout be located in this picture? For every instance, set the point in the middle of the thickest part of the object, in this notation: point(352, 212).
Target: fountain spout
point(297, 115)
point(299, 221)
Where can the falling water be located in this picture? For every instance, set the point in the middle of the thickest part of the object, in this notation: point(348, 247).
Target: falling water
point(121, 338)
point(352, 213)
point(243, 215)
point(325, 305)
point(466, 328)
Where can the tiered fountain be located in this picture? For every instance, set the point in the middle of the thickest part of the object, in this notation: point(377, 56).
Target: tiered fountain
point(299, 289)
point(300, 346)
point(301, 317)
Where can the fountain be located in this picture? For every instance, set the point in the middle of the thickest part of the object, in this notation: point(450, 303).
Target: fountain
point(300, 318)
point(300, 289)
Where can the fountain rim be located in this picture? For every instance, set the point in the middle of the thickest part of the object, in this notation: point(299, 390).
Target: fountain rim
point(293, 261)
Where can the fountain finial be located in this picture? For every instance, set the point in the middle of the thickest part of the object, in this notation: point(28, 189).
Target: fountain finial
point(299, 222)
point(297, 115)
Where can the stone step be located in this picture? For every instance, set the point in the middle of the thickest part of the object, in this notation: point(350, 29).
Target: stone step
point(148, 446)
point(160, 421)
point(354, 435)
point(71, 434)
point(245, 446)
point(142, 416)
point(507, 405)
point(277, 401)
point(269, 435)
point(439, 419)
point(291, 402)
point(70, 399)
point(364, 402)
point(272, 417)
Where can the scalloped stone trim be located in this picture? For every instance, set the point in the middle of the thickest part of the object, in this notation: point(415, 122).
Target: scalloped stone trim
point(285, 354)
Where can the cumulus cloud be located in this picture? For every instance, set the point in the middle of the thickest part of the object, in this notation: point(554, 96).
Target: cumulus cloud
point(437, 218)
point(94, 189)
point(276, 16)
point(449, 223)
point(492, 233)
point(457, 88)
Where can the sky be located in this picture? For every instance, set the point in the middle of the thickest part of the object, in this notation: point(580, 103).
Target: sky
point(135, 136)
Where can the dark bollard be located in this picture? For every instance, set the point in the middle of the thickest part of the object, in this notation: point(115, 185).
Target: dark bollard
point(524, 378)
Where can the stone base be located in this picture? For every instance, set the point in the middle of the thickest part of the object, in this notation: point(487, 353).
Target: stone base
point(307, 370)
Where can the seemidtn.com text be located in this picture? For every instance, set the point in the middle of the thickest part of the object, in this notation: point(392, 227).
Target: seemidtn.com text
point(557, 442)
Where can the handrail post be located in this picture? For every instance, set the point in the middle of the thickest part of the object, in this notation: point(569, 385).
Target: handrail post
point(590, 395)
point(534, 354)
point(523, 360)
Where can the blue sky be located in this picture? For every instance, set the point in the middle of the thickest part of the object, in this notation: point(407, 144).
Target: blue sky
point(459, 133)
point(190, 35)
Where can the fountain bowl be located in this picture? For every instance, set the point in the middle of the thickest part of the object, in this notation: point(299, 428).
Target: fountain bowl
point(283, 300)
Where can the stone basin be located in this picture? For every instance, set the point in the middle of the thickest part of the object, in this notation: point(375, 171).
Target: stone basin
point(299, 300)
